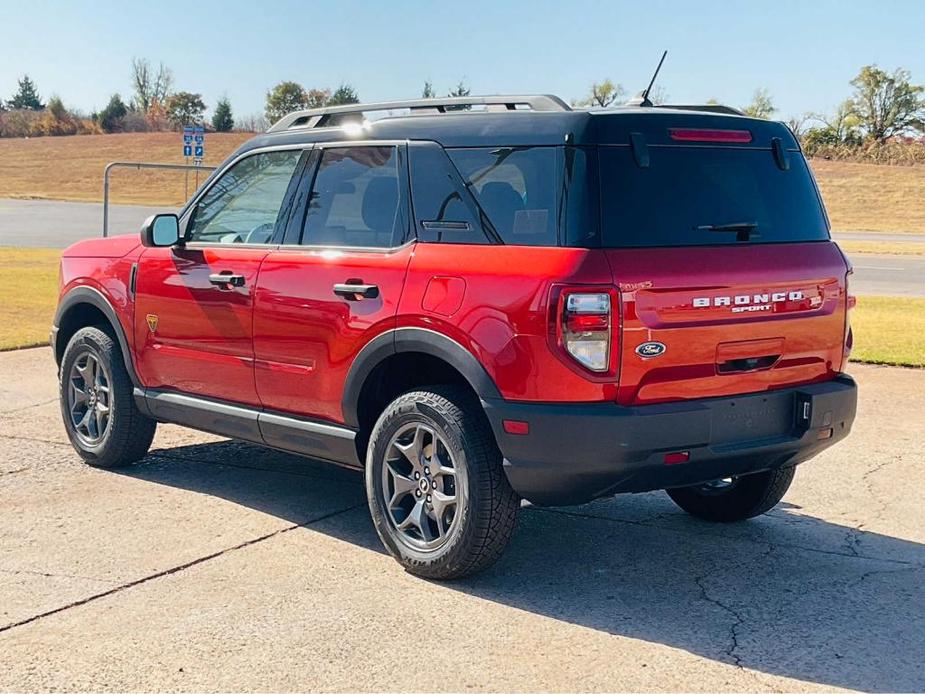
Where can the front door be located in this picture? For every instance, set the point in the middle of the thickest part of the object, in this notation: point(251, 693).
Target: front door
point(336, 283)
point(194, 303)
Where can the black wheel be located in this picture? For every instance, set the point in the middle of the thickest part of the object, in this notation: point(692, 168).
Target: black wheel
point(102, 422)
point(734, 498)
point(437, 494)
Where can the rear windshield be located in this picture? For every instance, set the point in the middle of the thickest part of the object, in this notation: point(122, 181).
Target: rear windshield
point(693, 196)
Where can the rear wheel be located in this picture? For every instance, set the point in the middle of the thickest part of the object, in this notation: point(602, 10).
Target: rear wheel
point(735, 498)
point(437, 494)
point(100, 416)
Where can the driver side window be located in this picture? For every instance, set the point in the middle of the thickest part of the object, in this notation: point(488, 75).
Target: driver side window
point(243, 205)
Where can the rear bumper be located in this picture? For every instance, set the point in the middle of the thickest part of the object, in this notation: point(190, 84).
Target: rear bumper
point(577, 452)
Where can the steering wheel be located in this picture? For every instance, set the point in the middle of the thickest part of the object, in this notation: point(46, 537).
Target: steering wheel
point(260, 234)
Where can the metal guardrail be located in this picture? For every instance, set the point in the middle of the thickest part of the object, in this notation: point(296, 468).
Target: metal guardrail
point(138, 165)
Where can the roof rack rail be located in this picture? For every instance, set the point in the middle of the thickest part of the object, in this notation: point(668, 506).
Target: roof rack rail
point(712, 108)
point(335, 115)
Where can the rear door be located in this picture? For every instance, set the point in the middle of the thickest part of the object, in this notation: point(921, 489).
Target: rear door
point(729, 282)
point(336, 282)
point(194, 303)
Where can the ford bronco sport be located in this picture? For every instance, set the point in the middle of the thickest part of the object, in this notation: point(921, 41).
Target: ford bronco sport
point(477, 301)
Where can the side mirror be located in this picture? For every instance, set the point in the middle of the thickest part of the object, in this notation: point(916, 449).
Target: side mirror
point(161, 230)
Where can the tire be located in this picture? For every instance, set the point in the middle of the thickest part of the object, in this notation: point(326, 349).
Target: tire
point(122, 435)
point(459, 539)
point(744, 497)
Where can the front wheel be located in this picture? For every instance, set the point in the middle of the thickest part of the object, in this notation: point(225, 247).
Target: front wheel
point(735, 498)
point(439, 499)
point(100, 416)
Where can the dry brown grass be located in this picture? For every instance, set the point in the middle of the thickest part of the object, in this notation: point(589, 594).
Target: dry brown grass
point(71, 168)
point(882, 247)
point(872, 197)
point(865, 197)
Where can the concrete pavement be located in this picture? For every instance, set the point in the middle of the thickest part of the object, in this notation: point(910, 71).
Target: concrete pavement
point(216, 565)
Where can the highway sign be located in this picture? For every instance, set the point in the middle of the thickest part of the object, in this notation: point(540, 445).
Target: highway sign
point(194, 142)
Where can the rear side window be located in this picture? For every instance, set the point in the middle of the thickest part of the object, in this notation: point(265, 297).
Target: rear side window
point(686, 195)
point(444, 209)
point(516, 187)
point(355, 199)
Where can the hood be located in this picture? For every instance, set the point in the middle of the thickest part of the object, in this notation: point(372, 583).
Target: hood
point(111, 247)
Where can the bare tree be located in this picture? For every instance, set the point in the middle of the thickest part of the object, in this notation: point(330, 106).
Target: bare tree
point(150, 87)
point(799, 124)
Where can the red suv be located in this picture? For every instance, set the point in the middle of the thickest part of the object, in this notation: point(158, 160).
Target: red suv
point(478, 301)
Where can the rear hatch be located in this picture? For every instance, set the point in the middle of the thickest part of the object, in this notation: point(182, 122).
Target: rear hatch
point(719, 246)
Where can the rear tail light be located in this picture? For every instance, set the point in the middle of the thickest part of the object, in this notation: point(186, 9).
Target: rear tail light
point(586, 329)
point(709, 135)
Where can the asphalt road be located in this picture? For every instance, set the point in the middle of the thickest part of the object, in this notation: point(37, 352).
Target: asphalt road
point(54, 224)
point(215, 565)
point(888, 275)
point(45, 223)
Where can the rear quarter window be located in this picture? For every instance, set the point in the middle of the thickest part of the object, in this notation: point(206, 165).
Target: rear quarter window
point(683, 190)
point(516, 187)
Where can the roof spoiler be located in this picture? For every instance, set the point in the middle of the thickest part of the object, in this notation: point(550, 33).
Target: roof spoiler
point(711, 108)
point(336, 115)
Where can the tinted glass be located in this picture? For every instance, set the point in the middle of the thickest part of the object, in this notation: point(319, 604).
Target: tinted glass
point(243, 205)
point(516, 187)
point(685, 190)
point(355, 199)
point(443, 208)
point(580, 195)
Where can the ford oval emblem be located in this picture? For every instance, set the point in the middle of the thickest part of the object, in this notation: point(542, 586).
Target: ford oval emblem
point(648, 350)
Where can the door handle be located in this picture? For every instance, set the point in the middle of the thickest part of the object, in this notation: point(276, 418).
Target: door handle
point(356, 290)
point(225, 280)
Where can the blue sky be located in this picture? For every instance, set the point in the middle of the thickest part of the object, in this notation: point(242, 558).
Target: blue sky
point(804, 53)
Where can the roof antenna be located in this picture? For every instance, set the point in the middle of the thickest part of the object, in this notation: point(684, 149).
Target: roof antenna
point(642, 99)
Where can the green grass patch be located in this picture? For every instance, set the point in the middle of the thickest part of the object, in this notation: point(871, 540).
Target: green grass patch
point(889, 330)
point(28, 295)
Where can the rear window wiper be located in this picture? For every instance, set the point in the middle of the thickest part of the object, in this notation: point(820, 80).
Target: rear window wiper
point(743, 230)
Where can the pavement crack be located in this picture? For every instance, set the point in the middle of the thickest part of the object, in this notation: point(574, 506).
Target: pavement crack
point(880, 572)
point(738, 619)
point(177, 569)
point(45, 574)
point(34, 439)
point(16, 410)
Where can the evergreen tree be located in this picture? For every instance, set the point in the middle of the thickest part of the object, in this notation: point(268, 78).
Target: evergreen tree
point(344, 94)
point(222, 119)
point(110, 118)
point(26, 96)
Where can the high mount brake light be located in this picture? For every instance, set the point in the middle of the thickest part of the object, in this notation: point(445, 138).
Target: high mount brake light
point(586, 328)
point(709, 135)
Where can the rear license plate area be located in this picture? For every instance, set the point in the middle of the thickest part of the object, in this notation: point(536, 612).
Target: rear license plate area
point(757, 417)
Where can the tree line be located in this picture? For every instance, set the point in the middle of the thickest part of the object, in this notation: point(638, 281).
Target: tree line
point(884, 108)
